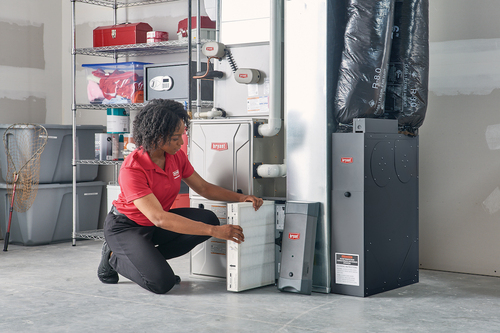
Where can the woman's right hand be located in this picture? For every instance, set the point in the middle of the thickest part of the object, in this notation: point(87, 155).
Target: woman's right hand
point(229, 232)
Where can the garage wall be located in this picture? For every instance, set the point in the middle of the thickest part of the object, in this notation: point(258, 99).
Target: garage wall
point(30, 61)
point(460, 140)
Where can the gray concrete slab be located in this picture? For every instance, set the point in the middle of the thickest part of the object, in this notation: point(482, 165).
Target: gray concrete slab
point(54, 288)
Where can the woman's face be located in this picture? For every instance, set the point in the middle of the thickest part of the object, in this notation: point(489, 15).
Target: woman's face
point(171, 147)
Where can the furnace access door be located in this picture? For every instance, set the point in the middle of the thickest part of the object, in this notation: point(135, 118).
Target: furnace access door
point(220, 153)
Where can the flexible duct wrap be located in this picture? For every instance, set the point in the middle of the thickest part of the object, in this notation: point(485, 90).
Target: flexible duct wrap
point(407, 86)
point(385, 61)
point(365, 60)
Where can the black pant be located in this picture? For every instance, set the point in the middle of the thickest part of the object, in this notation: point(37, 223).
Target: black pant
point(140, 253)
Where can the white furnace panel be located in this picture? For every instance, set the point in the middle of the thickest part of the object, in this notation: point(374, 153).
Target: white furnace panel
point(220, 152)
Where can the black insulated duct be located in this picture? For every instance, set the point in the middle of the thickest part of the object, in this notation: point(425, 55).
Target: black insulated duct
point(384, 67)
point(407, 86)
point(365, 60)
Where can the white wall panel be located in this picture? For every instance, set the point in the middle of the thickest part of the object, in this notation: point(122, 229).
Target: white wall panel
point(459, 161)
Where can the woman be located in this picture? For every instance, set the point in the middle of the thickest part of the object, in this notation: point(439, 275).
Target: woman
point(141, 231)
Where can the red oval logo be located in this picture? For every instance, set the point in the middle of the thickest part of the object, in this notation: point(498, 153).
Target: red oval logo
point(219, 146)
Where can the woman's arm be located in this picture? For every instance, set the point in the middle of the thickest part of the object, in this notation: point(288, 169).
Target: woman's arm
point(152, 209)
point(214, 192)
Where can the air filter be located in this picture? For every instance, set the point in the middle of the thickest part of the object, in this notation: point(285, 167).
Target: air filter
point(251, 263)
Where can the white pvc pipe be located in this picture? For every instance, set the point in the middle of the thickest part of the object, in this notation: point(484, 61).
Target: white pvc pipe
point(271, 170)
point(273, 125)
point(209, 114)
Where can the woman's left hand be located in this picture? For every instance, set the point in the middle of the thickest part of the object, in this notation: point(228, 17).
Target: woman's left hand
point(257, 202)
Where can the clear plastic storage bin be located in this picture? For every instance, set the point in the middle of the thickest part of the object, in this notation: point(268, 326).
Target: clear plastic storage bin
point(115, 83)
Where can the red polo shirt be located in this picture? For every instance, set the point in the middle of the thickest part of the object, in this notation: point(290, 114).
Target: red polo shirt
point(139, 176)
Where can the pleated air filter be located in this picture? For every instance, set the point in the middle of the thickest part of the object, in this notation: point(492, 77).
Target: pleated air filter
point(251, 263)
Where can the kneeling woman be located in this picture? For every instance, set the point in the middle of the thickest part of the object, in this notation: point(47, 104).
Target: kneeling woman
point(141, 231)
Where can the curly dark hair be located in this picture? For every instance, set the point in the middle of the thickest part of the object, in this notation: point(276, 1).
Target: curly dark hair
point(155, 124)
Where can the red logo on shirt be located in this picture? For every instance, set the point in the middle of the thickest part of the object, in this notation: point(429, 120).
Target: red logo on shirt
point(219, 146)
point(294, 235)
point(346, 160)
point(176, 174)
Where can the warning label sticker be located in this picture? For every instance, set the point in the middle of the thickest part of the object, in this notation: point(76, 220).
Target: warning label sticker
point(347, 269)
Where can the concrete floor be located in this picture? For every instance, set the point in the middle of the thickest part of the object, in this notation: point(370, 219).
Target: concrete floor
point(54, 288)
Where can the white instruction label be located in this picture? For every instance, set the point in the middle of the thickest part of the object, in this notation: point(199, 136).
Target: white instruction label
point(258, 104)
point(347, 269)
point(253, 104)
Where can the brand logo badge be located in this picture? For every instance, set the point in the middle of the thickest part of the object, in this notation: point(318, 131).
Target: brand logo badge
point(210, 48)
point(294, 235)
point(219, 146)
point(176, 174)
point(243, 76)
point(346, 160)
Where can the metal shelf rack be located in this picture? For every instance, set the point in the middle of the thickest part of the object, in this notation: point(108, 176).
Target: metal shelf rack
point(122, 4)
point(145, 49)
point(98, 162)
point(134, 106)
point(134, 50)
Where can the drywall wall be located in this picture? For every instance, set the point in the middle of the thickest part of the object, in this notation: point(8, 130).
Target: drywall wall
point(30, 61)
point(459, 140)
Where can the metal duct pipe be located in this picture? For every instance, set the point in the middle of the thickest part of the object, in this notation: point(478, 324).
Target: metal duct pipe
point(273, 125)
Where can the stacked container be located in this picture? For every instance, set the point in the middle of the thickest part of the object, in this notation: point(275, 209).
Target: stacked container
point(49, 219)
point(118, 125)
